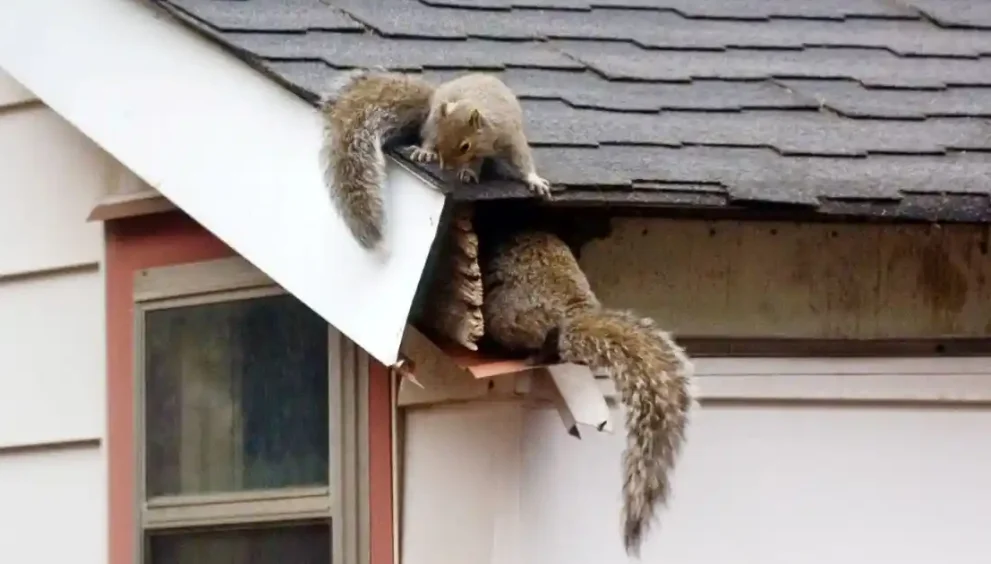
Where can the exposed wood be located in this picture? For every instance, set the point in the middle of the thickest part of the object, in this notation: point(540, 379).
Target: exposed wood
point(455, 374)
point(454, 300)
point(439, 378)
point(813, 281)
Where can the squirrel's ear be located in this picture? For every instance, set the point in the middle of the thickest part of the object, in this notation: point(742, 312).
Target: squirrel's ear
point(446, 108)
point(475, 118)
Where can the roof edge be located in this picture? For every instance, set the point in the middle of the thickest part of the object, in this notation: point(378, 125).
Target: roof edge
point(231, 148)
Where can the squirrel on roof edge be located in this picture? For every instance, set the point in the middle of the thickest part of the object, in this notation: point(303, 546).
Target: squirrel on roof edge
point(461, 122)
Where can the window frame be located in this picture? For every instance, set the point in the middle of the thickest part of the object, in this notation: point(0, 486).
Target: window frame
point(344, 500)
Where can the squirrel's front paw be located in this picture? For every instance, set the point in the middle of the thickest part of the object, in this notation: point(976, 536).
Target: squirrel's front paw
point(468, 176)
point(538, 185)
point(421, 155)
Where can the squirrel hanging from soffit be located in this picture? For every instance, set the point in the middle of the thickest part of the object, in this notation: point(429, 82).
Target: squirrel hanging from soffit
point(461, 122)
point(538, 300)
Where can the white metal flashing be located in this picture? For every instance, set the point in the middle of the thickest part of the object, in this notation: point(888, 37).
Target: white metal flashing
point(231, 148)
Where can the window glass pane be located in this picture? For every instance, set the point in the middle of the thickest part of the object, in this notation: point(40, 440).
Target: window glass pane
point(235, 397)
point(309, 544)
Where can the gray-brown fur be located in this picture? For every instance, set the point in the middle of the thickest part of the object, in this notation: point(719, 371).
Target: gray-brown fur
point(365, 110)
point(473, 117)
point(534, 286)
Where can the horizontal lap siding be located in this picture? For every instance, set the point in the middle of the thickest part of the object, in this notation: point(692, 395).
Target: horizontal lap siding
point(497, 483)
point(774, 484)
point(54, 505)
point(52, 343)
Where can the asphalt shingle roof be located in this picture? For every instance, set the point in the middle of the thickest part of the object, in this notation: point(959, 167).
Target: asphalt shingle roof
point(864, 107)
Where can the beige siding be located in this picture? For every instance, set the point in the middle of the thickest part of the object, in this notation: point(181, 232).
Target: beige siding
point(54, 506)
point(785, 279)
point(766, 483)
point(774, 485)
point(51, 291)
point(461, 485)
point(11, 92)
point(52, 358)
point(50, 177)
point(52, 338)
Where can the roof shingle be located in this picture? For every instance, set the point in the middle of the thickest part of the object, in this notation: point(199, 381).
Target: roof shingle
point(876, 107)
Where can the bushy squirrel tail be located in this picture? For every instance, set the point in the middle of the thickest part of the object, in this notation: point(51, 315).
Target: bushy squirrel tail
point(653, 376)
point(364, 109)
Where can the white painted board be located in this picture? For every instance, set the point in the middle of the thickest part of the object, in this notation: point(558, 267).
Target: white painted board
point(52, 359)
point(54, 506)
point(231, 148)
point(764, 484)
point(50, 175)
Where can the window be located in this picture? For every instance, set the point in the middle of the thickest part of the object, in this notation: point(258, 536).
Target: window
point(249, 416)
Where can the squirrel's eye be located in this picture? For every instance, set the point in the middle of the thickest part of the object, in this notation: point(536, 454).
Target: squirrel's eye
point(465, 147)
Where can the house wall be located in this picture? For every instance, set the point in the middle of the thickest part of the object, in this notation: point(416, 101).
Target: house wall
point(758, 483)
point(855, 460)
point(52, 354)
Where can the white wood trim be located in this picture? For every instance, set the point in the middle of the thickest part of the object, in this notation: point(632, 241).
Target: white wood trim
point(230, 147)
point(926, 380)
point(196, 278)
point(806, 366)
point(577, 398)
point(874, 387)
point(117, 206)
point(241, 507)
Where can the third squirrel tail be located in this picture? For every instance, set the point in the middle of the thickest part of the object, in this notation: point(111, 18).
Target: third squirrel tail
point(366, 109)
point(653, 377)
